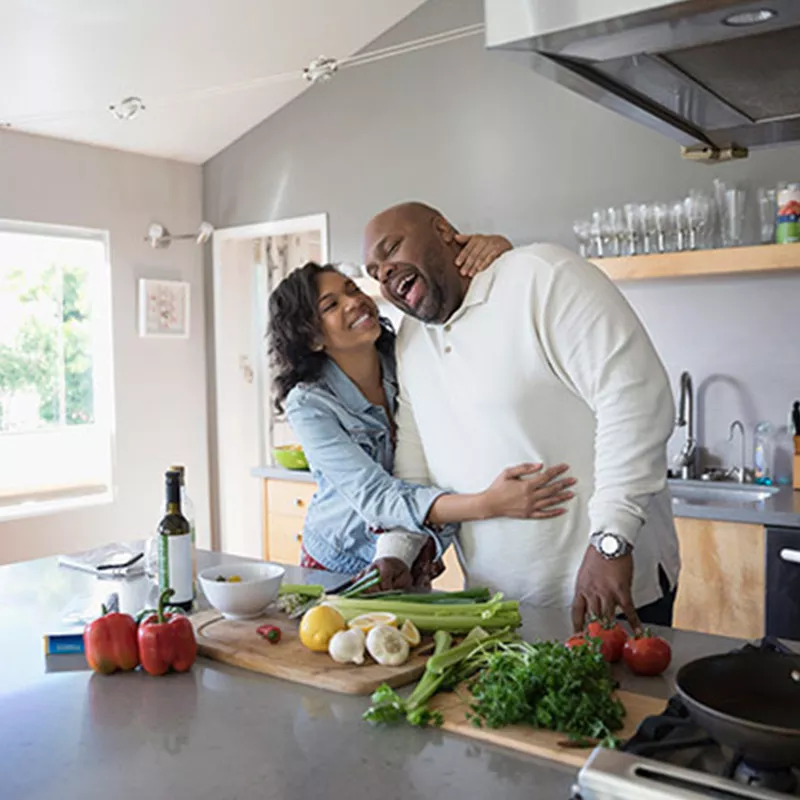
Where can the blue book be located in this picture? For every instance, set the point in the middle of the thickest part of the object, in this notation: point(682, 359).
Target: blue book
point(63, 643)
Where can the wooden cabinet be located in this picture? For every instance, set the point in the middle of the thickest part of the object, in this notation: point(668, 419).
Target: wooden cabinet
point(721, 589)
point(285, 506)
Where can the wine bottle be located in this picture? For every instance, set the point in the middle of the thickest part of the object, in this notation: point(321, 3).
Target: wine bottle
point(175, 547)
point(187, 507)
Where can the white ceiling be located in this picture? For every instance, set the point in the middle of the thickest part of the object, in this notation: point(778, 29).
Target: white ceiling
point(63, 62)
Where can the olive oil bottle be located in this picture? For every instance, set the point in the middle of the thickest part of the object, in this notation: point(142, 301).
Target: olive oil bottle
point(175, 547)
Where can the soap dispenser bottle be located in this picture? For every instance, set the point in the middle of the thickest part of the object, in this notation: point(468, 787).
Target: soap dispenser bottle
point(764, 453)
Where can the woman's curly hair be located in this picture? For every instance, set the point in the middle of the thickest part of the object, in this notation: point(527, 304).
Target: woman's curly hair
point(294, 329)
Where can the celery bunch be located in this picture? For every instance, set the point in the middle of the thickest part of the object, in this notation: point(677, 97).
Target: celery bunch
point(457, 615)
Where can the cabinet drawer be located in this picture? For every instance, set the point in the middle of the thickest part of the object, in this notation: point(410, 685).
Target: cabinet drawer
point(284, 538)
point(289, 498)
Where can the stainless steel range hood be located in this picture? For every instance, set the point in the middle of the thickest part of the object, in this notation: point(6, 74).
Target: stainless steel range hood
point(719, 76)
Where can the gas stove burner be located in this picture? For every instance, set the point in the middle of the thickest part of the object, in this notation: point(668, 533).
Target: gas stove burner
point(775, 779)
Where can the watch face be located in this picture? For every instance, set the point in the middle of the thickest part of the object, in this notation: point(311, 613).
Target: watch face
point(609, 545)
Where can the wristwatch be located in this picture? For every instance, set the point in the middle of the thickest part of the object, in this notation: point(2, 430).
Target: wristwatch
point(610, 545)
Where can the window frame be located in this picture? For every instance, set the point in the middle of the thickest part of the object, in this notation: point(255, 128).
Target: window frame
point(81, 495)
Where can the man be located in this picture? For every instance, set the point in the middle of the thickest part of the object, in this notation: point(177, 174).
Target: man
point(539, 358)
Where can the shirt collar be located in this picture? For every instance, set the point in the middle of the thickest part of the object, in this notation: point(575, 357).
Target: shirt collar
point(477, 293)
point(350, 394)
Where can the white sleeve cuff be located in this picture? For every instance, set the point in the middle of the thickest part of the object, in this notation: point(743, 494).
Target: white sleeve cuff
point(611, 519)
point(399, 544)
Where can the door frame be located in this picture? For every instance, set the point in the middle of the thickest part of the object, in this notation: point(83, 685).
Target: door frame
point(257, 230)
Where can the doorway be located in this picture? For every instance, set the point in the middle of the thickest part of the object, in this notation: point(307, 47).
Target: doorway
point(248, 262)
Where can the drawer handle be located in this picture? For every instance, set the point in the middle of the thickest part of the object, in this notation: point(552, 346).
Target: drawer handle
point(298, 502)
point(298, 537)
point(792, 556)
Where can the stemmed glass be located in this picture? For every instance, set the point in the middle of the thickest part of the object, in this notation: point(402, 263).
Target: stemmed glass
point(677, 216)
point(648, 221)
point(614, 229)
point(661, 217)
point(633, 228)
point(698, 212)
point(583, 233)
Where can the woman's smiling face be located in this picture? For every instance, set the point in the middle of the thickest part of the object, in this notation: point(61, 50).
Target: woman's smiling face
point(348, 318)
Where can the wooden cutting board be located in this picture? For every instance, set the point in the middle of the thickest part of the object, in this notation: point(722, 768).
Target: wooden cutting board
point(236, 642)
point(544, 744)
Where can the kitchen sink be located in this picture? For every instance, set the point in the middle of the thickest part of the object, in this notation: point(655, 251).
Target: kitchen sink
point(695, 491)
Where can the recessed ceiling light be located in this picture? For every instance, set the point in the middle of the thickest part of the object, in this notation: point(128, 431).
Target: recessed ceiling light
point(129, 108)
point(742, 19)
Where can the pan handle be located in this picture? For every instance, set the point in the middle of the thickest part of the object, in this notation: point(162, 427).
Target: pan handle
point(792, 556)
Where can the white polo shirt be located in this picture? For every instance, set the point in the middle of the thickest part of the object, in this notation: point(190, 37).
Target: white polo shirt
point(544, 361)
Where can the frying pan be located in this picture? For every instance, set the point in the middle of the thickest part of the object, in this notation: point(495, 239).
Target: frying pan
point(749, 702)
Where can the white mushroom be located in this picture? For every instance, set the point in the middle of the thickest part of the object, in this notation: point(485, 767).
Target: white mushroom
point(347, 647)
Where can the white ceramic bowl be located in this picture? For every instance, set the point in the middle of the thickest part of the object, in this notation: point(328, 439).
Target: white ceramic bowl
point(246, 599)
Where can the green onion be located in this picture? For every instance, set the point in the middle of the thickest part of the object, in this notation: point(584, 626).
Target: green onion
point(304, 590)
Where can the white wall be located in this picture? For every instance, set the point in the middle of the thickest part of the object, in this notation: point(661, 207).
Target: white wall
point(160, 385)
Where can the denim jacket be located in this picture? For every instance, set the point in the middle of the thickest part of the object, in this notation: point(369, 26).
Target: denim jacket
point(348, 444)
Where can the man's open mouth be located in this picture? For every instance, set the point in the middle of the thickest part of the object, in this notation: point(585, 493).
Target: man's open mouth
point(408, 287)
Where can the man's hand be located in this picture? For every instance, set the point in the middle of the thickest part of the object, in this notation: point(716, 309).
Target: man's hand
point(602, 586)
point(394, 575)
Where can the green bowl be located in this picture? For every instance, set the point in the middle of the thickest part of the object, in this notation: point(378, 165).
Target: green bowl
point(290, 456)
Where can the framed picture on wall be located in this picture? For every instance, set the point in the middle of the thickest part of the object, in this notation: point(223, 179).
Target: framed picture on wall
point(163, 309)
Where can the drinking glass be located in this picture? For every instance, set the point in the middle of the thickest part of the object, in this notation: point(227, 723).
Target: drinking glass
point(679, 223)
point(698, 212)
point(731, 206)
point(582, 229)
point(661, 218)
point(767, 212)
point(615, 229)
point(596, 228)
point(647, 211)
point(633, 228)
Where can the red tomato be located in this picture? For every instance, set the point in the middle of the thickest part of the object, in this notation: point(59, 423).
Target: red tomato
point(613, 637)
point(578, 640)
point(647, 654)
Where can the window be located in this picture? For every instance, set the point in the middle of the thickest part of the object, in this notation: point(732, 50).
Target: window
point(56, 381)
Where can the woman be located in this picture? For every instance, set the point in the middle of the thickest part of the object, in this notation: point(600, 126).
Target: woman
point(334, 374)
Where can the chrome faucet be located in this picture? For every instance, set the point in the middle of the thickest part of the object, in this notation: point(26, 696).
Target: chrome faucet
point(741, 471)
point(687, 458)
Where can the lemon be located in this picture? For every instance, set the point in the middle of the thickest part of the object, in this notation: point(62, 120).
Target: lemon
point(410, 633)
point(366, 622)
point(318, 626)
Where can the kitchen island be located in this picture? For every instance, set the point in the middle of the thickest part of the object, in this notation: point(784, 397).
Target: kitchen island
point(221, 733)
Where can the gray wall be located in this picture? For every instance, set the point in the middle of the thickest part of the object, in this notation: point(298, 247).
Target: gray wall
point(159, 385)
point(497, 148)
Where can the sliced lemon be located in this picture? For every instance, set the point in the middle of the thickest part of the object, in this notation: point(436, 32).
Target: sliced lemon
point(318, 626)
point(366, 622)
point(410, 633)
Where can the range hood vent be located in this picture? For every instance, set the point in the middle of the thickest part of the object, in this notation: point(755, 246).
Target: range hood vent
point(688, 68)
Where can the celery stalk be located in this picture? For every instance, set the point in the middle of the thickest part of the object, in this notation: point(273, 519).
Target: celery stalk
point(304, 590)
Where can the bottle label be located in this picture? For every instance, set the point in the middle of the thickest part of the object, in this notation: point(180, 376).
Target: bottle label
point(175, 566)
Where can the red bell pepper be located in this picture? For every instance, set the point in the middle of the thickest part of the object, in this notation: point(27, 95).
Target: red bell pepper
point(166, 641)
point(109, 643)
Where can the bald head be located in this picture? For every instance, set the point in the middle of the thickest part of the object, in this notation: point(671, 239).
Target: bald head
point(410, 249)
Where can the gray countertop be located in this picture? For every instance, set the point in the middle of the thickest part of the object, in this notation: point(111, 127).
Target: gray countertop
point(221, 733)
point(781, 509)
